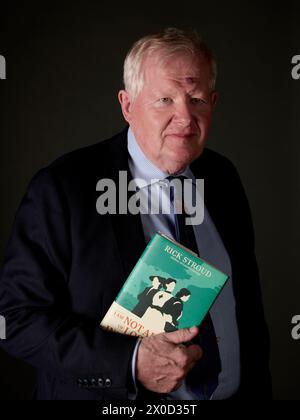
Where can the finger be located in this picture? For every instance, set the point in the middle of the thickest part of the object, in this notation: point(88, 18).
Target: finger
point(183, 356)
point(194, 360)
point(182, 336)
point(194, 352)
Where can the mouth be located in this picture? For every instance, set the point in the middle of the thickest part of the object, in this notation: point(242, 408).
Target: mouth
point(182, 135)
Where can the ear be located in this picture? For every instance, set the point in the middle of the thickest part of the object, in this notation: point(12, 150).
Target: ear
point(214, 98)
point(125, 103)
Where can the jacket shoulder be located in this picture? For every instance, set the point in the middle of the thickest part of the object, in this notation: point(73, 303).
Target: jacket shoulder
point(212, 163)
point(97, 152)
point(75, 170)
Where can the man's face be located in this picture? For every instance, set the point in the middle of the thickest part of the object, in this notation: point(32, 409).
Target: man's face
point(171, 116)
point(170, 286)
point(155, 283)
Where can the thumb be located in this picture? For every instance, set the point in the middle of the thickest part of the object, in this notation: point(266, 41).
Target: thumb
point(183, 335)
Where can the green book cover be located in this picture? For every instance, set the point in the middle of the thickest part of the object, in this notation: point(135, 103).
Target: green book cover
point(169, 288)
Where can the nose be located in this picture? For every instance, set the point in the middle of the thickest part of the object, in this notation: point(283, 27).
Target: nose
point(183, 113)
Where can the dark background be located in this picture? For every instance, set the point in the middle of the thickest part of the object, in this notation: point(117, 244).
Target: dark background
point(64, 69)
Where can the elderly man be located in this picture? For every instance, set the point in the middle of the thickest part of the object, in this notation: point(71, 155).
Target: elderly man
point(65, 262)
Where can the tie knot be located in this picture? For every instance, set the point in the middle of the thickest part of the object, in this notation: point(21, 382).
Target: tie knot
point(177, 185)
point(174, 177)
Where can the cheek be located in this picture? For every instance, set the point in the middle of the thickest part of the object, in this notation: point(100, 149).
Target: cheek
point(205, 119)
point(203, 125)
point(161, 119)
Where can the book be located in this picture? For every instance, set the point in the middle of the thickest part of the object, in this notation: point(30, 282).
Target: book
point(169, 288)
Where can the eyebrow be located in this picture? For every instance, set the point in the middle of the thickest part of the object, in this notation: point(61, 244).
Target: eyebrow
point(195, 91)
point(170, 91)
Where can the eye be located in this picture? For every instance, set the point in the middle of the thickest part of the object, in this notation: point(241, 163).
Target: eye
point(165, 100)
point(198, 101)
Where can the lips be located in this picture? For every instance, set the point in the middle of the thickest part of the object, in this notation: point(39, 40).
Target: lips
point(182, 135)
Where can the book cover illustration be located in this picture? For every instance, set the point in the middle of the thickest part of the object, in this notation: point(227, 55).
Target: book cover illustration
point(169, 288)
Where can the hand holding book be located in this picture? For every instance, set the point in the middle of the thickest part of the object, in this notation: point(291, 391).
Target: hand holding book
point(163, 361)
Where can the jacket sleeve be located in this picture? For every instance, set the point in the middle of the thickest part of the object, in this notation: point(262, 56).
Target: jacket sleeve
point(41, 327)
point(254, 334)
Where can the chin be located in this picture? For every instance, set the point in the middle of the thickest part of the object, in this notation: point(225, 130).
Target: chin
point(184, 159)
point(177, 166)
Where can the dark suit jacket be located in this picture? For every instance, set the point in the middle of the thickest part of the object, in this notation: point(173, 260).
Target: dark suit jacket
point(65, 264)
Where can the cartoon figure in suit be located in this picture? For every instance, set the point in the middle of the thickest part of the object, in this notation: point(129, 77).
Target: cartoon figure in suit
point(154, 315)
point(162, 296)
point(145, 298)
point(173, 309)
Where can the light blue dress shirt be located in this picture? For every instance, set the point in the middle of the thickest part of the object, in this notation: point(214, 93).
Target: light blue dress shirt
point(211, 248)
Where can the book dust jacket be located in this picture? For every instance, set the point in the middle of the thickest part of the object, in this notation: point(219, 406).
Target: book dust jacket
point(169, 288)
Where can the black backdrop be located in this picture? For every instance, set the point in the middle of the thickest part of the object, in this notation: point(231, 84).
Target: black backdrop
point(64, 69)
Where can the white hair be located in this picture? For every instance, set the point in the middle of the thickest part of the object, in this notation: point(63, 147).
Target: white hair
point(166, 43)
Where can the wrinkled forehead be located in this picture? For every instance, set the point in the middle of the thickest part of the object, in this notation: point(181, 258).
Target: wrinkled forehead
point(182, 67)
